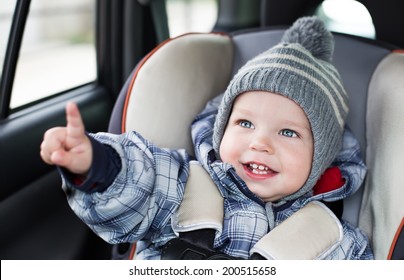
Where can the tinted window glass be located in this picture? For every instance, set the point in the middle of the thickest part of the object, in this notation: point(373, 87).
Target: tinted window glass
point(6, 15)
point(191, 16)
point(347, 16)
point(58, 50)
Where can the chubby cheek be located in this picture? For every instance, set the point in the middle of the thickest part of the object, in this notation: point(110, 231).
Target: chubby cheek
point(300, 167)
point(225, 152)
point(228, 150)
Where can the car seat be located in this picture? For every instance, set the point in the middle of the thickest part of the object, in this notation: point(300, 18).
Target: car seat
point(172, 84)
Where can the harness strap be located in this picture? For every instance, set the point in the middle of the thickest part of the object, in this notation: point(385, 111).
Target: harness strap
point(198, 218)
point(202, 206)
point(310, 233)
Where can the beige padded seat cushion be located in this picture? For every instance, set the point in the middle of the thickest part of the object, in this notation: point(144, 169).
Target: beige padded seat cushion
point(310, 233)
point(383, 201)
point(202, 206)
point(175, 80)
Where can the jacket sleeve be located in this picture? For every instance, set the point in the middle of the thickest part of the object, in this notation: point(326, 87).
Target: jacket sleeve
point(105, 166)
point(139, 203)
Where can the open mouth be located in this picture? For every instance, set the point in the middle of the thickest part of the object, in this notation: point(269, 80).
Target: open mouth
point(259, 169)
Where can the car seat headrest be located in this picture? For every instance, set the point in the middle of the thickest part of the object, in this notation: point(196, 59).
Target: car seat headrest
point(173, 83)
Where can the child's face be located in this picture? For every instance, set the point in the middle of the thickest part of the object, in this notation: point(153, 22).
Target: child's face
point(268, 141)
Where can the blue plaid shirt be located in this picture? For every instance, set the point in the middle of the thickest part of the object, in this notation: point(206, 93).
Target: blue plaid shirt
point(134, 197)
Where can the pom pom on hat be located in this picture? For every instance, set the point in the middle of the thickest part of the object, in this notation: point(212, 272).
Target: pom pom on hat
point(311, 33)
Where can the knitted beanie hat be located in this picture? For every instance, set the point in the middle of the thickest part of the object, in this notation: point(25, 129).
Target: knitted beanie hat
point(299, 68)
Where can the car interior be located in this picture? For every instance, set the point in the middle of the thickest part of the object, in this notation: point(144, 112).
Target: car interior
point(191, 69)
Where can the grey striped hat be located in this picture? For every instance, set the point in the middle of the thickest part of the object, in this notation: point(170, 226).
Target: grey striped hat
point(299, 68)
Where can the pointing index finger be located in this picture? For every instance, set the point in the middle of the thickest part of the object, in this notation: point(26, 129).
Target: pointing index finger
point(75, 126)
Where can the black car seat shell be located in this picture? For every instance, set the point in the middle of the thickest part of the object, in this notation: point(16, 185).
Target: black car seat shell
point(172, 84)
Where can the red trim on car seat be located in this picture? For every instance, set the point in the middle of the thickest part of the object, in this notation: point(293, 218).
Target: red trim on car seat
point(125, 106)
point(132, 251)
point(398, 51)
point(140, 65)
point(394, 243)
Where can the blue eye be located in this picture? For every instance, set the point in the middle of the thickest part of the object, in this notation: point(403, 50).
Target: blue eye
point(288, 133)
point(246, 124)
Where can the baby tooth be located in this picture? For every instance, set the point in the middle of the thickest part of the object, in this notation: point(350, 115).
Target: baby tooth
point(259, 167)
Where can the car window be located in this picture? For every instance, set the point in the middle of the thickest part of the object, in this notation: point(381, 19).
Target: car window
point(6, 15)
point(347, 16)
point(57, 51)
point(191, 16)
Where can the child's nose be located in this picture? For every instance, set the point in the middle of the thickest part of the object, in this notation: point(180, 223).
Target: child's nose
point(262, 143)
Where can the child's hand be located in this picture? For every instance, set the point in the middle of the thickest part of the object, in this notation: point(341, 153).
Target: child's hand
point(69, 146)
